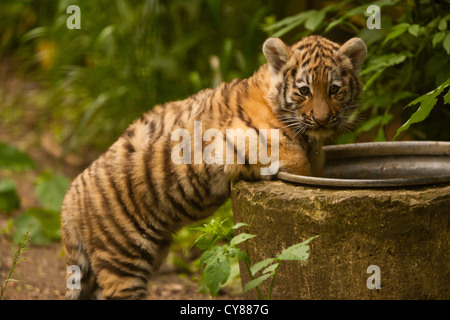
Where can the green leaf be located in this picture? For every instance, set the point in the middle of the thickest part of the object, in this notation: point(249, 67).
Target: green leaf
point(296, 252)
point(271, 268)
point(446, 43)
point(299, 19)
point(259, 265)
point(203, 242)
point(447, 98)
point(426, 104)
point(49, 220)
point(216, 273)
point(240, 224)
point(414, 30)
point(384, 61)
point(379, 64)
point(400, 95)
point(51, 190)
point(380, 135)
point(211, 254)
point(438, 37)
point(44, 226)
point(14, 159)
point(255, 282)
point(9, 200)
point(442, 25)
point(206, 256)
point(355, 11)
point(293, 20)
point(12, 280)
point(314, 19)
point(372, 123)
point(243, 256)
point(241, 238)
point(25, 223)
point(396, 32)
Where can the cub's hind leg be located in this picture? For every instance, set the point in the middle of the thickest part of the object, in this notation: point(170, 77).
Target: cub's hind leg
point(126, 277)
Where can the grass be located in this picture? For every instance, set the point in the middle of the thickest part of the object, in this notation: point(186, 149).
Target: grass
point(22, 247)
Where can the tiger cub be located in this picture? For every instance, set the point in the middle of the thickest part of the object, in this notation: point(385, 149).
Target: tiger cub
point(119, 214)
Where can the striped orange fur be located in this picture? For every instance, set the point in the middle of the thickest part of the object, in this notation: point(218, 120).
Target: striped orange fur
point(119, 214)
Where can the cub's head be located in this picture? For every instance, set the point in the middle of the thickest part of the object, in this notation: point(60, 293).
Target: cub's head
point(314, 83)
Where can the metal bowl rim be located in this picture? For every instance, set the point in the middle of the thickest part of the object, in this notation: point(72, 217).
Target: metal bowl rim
point(438, 148)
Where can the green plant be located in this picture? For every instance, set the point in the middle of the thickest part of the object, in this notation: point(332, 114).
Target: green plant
point(407, 62)
point(22, 247)
point(216, 260)
point(131, 55)
point(269, 267)
point(14, 160)
point(43, 222)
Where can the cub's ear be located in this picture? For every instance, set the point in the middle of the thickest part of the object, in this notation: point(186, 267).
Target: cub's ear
point(356, 50)
point(276, 53)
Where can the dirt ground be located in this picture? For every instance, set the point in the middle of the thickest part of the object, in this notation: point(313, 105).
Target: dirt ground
point(42, 277)
point(42, 274)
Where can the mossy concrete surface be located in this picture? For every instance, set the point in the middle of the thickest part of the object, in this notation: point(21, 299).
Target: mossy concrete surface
point(402, 231)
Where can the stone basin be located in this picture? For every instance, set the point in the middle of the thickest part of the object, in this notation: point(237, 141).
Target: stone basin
point(378, 204)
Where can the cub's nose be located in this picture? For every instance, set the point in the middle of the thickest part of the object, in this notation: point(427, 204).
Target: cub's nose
point(322, 121)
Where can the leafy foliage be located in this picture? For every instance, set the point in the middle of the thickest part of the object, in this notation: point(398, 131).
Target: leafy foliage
point(42, 223)
point(269, 267)
point(9, 199)
point(426, 104)
point(217, 259)
point(131, 55)
point(14, 159)
point(408, 59)
point(11, 159)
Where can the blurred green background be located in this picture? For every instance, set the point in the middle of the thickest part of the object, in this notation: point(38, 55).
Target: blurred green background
point(66, 95)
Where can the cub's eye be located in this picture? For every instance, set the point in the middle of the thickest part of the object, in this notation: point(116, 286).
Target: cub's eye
point(304, 91)
point(334, 89)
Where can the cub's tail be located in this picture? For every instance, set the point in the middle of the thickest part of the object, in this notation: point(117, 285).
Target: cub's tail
point(80, 280)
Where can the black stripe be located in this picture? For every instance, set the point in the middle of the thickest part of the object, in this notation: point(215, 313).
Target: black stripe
point(130, 267)
point(235, 82)
point(151, 128)
point(236, 153)
point(242, 114)
point(129, 146)
point(194, 180)
point(245, 88)
point(225, 94)
point(306, 62)
point(352, 86)
point(129, 132)
point(107, 265)
point(178, 206)
point(84, 213)
point(134, 293)
point(285, 84)
point(294, 72)
point(278, 87)
point(304, 46)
